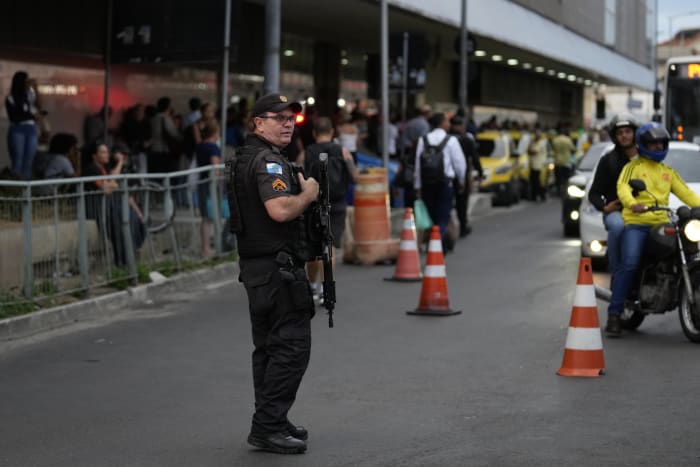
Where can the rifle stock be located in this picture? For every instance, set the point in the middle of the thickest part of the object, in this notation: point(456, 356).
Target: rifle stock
point(326, 238)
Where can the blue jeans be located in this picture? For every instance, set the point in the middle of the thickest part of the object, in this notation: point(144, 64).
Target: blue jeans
point(615, 226)
point(633, 239)
point(22, 141)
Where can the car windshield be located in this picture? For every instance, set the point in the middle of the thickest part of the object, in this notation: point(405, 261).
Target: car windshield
point(490, 147)
point(595, 152)
point(686, 162)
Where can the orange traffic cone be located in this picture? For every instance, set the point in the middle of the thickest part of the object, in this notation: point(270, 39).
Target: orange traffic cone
point(433, 294)
point(583, 355)
point(408, 263)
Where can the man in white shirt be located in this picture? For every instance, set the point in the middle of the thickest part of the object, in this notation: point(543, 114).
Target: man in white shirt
point(435, 189)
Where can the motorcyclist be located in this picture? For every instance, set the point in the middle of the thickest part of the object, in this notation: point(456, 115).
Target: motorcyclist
point(661, 180)
point(603, 192)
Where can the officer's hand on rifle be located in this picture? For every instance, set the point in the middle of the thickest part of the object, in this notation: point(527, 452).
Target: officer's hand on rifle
point(309, 186)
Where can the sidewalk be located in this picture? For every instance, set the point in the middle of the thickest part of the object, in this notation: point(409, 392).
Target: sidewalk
point(104, 306)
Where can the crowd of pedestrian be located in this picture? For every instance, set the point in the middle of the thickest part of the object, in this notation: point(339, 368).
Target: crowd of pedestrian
point(149, 138)
point(155, 137)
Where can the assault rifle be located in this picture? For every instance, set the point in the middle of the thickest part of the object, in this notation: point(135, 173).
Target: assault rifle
point(324, 214)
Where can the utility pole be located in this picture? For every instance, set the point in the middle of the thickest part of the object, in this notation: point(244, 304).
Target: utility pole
point(224, 75)
point(108, 71)
point(273, 26)
point(384, 32)
point(463, 60)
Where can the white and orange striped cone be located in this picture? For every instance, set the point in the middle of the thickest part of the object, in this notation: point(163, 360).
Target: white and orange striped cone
point(583, 355)
point(433, 295)
point(408, 262)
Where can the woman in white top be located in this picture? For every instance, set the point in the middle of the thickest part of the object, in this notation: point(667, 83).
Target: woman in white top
point(348, 134)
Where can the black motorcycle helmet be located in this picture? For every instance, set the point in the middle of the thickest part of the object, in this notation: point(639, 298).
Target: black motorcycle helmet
point(621, 121)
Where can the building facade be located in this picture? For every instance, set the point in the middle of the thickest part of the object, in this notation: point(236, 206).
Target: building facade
point(542, 59)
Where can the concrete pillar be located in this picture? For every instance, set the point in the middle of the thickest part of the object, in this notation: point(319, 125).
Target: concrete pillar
point(326, 77)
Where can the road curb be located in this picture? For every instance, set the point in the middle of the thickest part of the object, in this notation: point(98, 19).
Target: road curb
point(107, 305)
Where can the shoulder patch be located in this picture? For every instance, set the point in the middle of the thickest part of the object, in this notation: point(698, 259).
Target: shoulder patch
point(279, 185)
point(274, 168)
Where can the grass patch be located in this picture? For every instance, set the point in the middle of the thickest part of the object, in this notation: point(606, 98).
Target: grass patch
point(12, 305)
point(47, 293)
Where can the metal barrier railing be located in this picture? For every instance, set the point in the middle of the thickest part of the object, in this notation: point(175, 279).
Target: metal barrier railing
point(63, 238)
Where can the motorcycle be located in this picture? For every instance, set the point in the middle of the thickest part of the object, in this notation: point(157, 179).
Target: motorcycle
point(669, 273)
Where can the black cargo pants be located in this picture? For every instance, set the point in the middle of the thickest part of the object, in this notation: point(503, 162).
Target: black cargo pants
point(281, 307)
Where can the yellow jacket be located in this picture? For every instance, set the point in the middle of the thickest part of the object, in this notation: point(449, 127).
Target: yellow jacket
point(661, 180)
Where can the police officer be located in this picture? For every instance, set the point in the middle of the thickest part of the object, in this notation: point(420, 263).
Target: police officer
point(271, 201)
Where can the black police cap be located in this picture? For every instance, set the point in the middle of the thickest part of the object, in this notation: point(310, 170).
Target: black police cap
point(274, 103)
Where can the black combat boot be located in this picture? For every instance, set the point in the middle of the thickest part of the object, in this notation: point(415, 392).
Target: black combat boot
point(298, 432)
point(614, 326)
point(281, 443)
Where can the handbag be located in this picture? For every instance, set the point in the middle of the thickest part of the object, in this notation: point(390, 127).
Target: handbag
point(224, 210)
point(423, 220)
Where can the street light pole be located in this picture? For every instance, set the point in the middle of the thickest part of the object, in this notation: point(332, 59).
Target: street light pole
point(655, 65)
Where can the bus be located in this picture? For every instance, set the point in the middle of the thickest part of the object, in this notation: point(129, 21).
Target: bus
point(681, 110)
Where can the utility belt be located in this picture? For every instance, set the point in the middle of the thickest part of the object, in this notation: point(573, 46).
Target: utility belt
point(280, 270)
point(277, 261)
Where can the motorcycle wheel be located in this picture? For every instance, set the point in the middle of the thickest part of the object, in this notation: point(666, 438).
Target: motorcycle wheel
point(689, 314)
point(631, 319)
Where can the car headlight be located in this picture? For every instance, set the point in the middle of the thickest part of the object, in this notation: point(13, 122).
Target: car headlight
point(596, 246)
point(692, 230)
point(575, 191)
point(504, 169)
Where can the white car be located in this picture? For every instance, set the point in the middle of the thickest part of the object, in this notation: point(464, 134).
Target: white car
point(571, 199)
point(684, 157)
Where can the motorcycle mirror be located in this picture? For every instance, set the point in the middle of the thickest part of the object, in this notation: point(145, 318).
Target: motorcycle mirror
point(637, 184)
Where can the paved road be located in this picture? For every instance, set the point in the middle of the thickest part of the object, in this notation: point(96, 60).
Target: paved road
point(170, 385)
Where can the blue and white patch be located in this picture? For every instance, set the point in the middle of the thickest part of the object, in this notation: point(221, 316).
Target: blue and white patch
point(274, 168)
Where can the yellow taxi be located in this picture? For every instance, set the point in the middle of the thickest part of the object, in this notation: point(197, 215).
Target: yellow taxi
point(521, 141)
point(500, 166)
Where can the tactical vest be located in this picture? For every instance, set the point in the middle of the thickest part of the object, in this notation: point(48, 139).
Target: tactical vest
point(260, 235)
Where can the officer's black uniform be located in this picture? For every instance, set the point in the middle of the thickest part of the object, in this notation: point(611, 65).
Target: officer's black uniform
point(272, 271)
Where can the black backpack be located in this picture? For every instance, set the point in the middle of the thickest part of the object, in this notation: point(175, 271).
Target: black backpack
point(338, 173)
point(432, 162)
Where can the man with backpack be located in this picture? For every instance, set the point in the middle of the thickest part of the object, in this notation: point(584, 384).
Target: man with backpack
point(341, 172)
point(439, 162)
